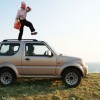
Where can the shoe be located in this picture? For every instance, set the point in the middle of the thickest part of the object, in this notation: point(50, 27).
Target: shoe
point(33, 33)
point(19, 39)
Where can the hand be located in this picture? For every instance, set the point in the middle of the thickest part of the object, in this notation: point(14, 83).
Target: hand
point(28, 8)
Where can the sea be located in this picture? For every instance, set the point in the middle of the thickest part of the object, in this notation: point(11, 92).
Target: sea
point(93, 67)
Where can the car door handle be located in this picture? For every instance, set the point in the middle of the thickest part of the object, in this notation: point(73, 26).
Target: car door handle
point(27, 59)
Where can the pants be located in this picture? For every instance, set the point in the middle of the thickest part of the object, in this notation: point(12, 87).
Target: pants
point(26, 23)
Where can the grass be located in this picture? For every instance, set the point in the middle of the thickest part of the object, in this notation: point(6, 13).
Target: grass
point(52, 89)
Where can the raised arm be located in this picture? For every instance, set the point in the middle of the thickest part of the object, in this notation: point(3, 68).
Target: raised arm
point(28, 9)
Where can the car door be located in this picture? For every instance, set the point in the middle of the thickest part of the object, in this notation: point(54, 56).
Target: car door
point(35, 60)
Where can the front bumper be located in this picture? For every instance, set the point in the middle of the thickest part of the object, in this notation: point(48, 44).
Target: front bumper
point(85, 68)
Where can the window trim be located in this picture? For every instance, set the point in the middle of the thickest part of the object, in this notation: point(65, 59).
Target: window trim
point(37, 54)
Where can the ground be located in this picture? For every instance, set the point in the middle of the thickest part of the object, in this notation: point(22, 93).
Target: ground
point(52, 89)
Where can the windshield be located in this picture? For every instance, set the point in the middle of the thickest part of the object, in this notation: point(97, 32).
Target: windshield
point(52, 48)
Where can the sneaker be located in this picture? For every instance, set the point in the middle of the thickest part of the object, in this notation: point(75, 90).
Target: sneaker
point(33, 33)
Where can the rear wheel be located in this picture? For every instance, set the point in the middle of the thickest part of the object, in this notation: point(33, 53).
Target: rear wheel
point(71, 78)
point(7, 77)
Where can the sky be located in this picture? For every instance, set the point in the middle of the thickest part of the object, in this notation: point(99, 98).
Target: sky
point(71, 27)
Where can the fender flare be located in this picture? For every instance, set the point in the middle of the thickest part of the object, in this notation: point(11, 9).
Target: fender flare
point(74, 65)
point(10, 66)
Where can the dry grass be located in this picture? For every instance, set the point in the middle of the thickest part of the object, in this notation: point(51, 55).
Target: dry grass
point(52, 89)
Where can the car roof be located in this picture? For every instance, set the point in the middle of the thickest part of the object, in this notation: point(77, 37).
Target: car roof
point(23, 40)
point(13, 40)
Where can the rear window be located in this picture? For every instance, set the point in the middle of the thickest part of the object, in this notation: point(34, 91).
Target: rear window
point(8, 49)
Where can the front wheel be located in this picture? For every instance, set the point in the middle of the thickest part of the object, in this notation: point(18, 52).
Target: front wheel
point(71, 78)
point(7, 77)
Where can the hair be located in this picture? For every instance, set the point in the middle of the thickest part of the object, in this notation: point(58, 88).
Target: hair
point(23, 3)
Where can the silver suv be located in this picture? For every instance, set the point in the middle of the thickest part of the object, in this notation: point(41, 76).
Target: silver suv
point(33, 58)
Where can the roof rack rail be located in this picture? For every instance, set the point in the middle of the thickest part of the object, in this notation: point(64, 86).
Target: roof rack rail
point(18, 40)
point(9, 40)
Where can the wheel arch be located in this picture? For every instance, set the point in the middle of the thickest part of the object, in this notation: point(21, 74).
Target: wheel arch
point(5, 67)
point(73, 68)
point(10, 67)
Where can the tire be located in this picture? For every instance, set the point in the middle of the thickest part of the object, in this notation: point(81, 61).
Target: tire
point(71, 78)
point(7, 77)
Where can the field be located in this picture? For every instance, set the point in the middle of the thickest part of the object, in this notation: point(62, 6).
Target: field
point(52, 89)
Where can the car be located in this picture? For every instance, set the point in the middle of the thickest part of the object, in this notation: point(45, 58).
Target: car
point(31, 58)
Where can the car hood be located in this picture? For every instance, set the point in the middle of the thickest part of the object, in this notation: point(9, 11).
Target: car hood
point(68, 59)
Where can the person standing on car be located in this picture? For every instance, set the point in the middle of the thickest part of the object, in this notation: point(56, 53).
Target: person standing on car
point(21, 15)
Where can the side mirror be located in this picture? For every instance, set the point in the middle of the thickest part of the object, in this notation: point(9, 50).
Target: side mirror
point(60, 54)
point(49, 53)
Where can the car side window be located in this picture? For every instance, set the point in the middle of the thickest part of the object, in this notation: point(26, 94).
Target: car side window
point(8, 49)
point(35, 49)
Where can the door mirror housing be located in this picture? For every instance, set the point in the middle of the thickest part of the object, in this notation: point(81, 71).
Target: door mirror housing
point(49, 53)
